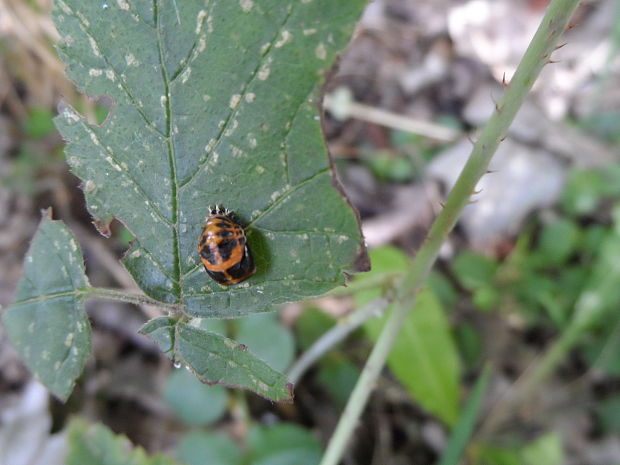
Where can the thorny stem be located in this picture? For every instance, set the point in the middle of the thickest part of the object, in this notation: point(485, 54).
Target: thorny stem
point(535, 58)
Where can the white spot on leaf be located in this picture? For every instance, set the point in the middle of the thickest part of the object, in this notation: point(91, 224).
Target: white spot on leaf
point(123, 4)
point(234, 101)
point(246, 5)
point(320, 51)
point(286, 37)
point(95, 72)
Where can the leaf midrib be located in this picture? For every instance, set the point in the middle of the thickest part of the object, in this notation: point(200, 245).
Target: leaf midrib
point(177, 288)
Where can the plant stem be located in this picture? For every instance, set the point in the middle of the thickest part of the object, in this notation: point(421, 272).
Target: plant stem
point(131, 298)
point(536, 56)
point(336, 334)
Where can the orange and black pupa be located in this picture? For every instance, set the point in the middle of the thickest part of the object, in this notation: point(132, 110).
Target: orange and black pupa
point(223, 248)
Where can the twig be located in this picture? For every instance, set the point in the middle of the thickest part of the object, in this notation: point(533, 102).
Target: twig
point(336, 334)
point(344, 107)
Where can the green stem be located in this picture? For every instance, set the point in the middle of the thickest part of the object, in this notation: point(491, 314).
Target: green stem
point(536, 56)
point(137, 299)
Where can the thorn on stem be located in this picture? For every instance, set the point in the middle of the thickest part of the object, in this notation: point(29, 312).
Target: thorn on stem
point(476, 192)
point(502, 139)
point(504, 82)
point(558, 47)
point(550, 62)
point(491, 171)
point(473, 142)
point(443, 205)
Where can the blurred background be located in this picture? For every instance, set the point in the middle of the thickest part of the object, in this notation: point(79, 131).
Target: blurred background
point(526, 262)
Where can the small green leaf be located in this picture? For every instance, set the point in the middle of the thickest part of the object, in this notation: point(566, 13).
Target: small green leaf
point(47, 322)
point(215, 103)
point(547, 449)
point(161, 330)
point(194, 402)
point(283, 444)
point(97, 445)
point(424, 357)
point(464, 428)
point(559, 241)
point(39, 123)
point(203, 448)
point(267, 338)
point(338, 376)
point(218, 360)
point(474, 270)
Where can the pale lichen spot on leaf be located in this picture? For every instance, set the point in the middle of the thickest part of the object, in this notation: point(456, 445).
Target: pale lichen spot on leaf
point(29, 258)
point(136, 253)
point(73, 245)
point(74, 161)
point(110, 75)
point(286, 37)
point(93, 138)
point(214, 158)
point(234, 101)
point(221, 124)
point(263, 73)
point(57, 366)
point(230, 343)
point(131, 60)
point(70, 115)
point(45, 355)
point(94, 47)
point(250, 96)
point(123, 4)
point(210, 145)
point(163, 100)
point(252, 140)
point(200, 21)
point(185, 75)
point(206, 97)
point(64, 7)
point(95, 72)
point(202, 44)
point(309, 32)
point(113, 163)
point(236, 151)
point(69, 340)
point(229, 131)
point(246, 5)
point(264, 48)
point(85, 21)
point(260, 169)
point(320, 51)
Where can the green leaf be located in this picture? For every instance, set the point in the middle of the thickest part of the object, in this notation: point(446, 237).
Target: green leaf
point(474, 270)
point(283, 444)
point(39, 123)
point(203, 448)
point(47, 322)
point(558, 241)
point(464, 428)
point(608, 414)
point(215, 103)
point(547, 449)
point(97, 445)
point(184, 393)
point(267, 338)
point(424, 357)
point(216, 359)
